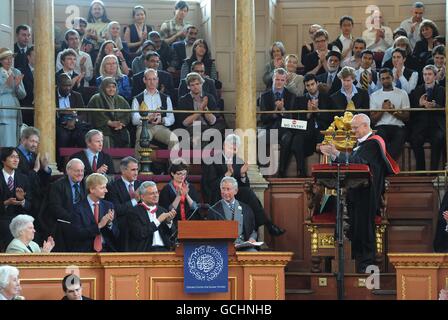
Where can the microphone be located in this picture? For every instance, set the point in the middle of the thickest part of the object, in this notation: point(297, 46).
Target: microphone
point(209, 207)
point(200, 205)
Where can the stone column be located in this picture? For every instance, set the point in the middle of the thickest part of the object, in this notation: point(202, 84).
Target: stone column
point(245, 84)
point(44, 78)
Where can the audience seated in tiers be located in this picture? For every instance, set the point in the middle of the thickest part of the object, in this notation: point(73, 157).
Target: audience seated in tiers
point(183, 48)
point(229, 164)
point(137, 33)
point(71, 126)
point(152, 61)
point(404, 78)
point(197, 100)
point(180, 195)
point(22, 229)
point(208, 87)
point(23, 42)
point(388, 53)
point(151, 226)
point(72, 287)
point(164, 50)
point(229, 208)
point(423, 47)
point(97, 23)
point(349, 97)
point(12, 89)
point(344, 42)
point(294, 81)
point(154, 101)
point(122, 192)
point(28, 83)
point(200, 52)
point(114, 125)
point(114, 33)
point(315, 61)
point(309, 47)
point(330, 83)
point(313, 100)
point(354, 61)
point(110, 48)
point(390, 125)
point(439, 59)
point(428, 126)
point(110, 68)
point(174, 30)
point(138, 64)
point(94, 159)
point(411, 62)
point(56, 216)
point(277, 53)
point(67, 59)
point(412, 24)
point(83, 61)
point(94, 224)
point(366, 78)
point(9, 283)
point(15, 192)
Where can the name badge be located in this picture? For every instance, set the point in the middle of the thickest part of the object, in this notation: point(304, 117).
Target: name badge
point(294, 124)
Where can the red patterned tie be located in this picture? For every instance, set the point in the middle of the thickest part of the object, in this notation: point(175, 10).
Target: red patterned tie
point(97, 243)
point(94, 165)
point(131, 191)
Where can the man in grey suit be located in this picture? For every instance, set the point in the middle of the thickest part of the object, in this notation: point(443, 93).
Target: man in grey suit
point(231, 209)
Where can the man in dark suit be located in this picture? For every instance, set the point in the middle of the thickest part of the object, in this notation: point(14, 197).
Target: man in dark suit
point(207, 87)
point(349, 97)
point(366, 77)
point(15, 191)
point(122, 193)
point(151, 226)
point(428, 126)
point(28, 83)
point(94, 159)
point(330, 81)
point(228, 164)
point(231, 209)
point(23, 37)
point(56, 216)
point(72, 287)
point(182, 49)
point(166, 86)
point(93, 221)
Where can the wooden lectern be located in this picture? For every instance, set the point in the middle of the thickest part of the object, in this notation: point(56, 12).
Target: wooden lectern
point(207, 231)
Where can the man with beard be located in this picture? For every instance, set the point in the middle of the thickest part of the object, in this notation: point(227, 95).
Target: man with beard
point(363, 202)
point(182, 49)
point(331, 82)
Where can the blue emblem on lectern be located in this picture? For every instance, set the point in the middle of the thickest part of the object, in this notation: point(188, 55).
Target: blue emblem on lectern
point(205, 267)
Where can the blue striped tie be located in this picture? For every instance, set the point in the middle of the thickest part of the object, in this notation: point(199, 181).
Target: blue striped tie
point(10, 183)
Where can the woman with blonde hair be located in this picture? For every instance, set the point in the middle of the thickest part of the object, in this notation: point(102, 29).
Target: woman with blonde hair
point(110, 68)
point(294, 81)
point(277, 53)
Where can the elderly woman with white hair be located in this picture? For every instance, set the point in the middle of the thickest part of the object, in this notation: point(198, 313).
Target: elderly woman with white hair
point(9, 283)
point(22, 229)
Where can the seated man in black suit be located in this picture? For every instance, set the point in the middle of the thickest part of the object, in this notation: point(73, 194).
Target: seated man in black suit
point(94, 159)
point(182, 49)
point(197, 100)
point(68, 60)
point(28, 83)
point(330, 81)
point(231, 209)
point(228, 164)
point(151, 227)
point(349, 97)
point(428, 126)
point(72, 287)
point(93, 221)
point(56, 216)
point(122, 193)
point(207, 87)
point(15, 191)
point(166, 86)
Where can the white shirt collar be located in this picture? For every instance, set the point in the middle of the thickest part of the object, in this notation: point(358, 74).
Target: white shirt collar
point(147, 93)
point(361, 69)
point(365, 137)
point(127, 183)
point(91, 202)
point(7, 175)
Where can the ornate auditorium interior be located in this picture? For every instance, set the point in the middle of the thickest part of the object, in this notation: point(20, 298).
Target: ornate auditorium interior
point(129, 130)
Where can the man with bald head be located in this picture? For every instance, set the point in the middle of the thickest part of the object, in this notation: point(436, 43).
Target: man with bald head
point(363, 202)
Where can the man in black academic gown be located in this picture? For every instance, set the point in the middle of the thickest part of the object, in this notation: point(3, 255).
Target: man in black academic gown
point(363, 202)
